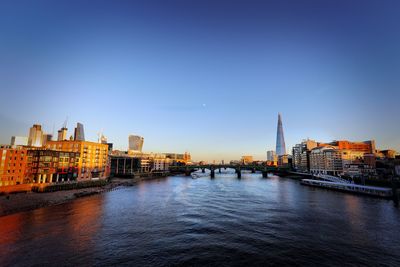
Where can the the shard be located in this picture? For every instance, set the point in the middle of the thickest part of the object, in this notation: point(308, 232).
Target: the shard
point(280, 140)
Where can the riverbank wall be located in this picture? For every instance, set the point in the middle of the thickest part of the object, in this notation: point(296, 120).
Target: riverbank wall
point(50, 195)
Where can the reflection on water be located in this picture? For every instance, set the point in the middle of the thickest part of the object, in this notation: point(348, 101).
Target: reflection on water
point(221, 222)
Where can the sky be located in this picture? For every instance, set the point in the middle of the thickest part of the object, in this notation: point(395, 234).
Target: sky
point(207, 77)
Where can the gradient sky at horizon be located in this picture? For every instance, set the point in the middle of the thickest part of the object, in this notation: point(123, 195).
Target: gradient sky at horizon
point(208, 77)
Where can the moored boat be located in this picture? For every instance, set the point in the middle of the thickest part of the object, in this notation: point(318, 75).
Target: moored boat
point(352, 188)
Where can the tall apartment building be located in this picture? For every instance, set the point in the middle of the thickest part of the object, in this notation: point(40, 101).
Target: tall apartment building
point(13, 163)
point(93, 157)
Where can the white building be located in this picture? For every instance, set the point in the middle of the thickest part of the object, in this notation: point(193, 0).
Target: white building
point(19, 141)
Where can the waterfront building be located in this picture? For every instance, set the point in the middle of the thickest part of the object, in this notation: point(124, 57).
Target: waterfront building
point(296, 153)
point(161, 164)
point(301, 155)
point(358, 170)
point(334, 161)
point(50, 166)
point(124, 165)
point(93, 157)
point(246, 159)
point(62, 134)
point(79, 134)
point(35, 136)
point(19, 141)
point(13, 163)
point(136, 143)
point(177, 158)
point(280, 140)
point(128, 165)
point(326, 160)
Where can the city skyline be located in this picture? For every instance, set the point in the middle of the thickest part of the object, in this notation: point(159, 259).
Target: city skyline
point(206, 77)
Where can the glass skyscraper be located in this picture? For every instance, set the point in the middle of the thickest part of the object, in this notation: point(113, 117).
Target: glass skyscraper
point(280, 140)
point(136, 143)
point(79, 134)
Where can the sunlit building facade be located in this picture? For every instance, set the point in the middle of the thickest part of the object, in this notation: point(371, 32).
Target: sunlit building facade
point(13, 162)
point(93, 157)
point(247, 159)
point(51, 166)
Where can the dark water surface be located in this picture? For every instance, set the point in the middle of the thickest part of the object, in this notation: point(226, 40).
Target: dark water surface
point(205, 222)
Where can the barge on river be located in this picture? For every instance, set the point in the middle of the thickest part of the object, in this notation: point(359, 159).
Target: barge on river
point(351, 188)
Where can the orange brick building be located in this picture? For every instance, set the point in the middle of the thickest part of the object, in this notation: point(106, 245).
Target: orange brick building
point(366, 146)
point(93, 158)
point(13, 162)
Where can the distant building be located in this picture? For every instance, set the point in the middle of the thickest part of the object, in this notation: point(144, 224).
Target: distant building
point(103, 139)
point(280, 140)
point(136, 143)
point(365, 146)
point(388, 154)
point(79, 134)
point(62, 134)
point(35, 136)
point(283, 161)
point(46, 138)
point(185, 158)
point(19, 141)
point(271, 155)
point(247, 159)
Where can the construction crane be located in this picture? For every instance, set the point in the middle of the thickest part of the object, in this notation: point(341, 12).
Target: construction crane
point(65, 123)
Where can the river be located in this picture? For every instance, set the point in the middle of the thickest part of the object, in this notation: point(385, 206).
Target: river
point(207, 222)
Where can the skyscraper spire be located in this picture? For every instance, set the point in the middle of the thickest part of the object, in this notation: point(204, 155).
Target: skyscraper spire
point(280, 140)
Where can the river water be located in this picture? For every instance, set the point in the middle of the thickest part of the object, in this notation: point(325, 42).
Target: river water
point(207, 222)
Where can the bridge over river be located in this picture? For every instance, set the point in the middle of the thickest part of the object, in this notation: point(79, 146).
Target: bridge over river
point(188, 169)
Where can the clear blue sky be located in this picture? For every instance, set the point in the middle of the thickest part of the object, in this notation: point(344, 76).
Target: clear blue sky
point(208, 77)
